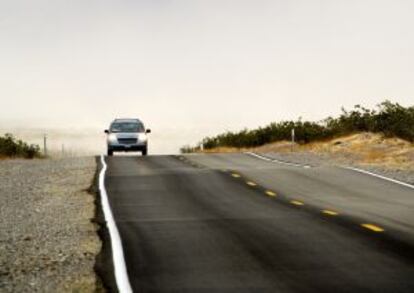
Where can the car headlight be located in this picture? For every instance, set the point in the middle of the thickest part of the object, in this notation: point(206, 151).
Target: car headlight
point(112, 137)
point(142, 137)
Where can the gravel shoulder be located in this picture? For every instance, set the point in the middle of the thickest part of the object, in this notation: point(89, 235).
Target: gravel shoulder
point(48, 241)
point(323, 159)
point(387, 156)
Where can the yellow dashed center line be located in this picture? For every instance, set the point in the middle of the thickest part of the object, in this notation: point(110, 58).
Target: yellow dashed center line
point(297, 203)
point(235, 175)
point(329, 212)
point(271, 193)
point(250, 183)
point(372, 227)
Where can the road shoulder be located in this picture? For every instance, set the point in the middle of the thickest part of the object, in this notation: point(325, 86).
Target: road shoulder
point(49, 240)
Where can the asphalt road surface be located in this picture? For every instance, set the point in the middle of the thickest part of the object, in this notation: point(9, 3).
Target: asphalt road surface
point(234, 223)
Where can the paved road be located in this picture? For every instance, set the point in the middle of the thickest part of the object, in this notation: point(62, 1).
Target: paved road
point(192, 228)
point(345, 191)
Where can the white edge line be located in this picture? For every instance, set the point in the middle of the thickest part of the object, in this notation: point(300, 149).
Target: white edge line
point(276, 161)
point(121, 275)
point(379, 176)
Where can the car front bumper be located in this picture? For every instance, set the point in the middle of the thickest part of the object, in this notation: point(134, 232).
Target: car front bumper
point(127, 147)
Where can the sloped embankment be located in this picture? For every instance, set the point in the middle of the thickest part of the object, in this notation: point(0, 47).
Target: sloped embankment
point(392, 157)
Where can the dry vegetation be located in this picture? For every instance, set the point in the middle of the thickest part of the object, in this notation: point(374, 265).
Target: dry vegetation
point(10, 147)
point(369, 148)
point(389, 119)
point(383, 137)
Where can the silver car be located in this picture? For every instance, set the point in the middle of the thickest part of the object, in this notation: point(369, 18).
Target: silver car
point(127, 135)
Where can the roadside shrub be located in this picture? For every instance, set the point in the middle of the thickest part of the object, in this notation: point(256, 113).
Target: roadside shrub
point(188, 149)
point(11, 147)
point(389, 118)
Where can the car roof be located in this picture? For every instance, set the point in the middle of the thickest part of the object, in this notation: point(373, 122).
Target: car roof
point(126, 120)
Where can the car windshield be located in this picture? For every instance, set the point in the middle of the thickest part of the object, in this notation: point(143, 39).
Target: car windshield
point(127, 127)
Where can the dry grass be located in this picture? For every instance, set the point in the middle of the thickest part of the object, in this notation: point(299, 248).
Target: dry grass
point(369, 148)
point(224, 150)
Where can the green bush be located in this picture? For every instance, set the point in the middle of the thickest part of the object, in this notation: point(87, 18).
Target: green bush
point(389, 118)
point(10, 147)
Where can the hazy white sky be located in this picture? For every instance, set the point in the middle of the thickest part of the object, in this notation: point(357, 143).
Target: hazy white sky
point(200, 64)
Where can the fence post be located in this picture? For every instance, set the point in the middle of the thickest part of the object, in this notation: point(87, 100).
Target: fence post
point(45, 145)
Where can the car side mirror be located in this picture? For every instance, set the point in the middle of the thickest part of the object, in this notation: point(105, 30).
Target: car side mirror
point(106, 131)
point(148, 131)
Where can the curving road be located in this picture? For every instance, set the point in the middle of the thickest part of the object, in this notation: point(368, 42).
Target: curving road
point(235, 223)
